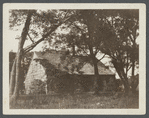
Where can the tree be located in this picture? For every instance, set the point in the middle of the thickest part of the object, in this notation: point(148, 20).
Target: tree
point(92, 39)
point(122, 46)
point(84, 37)
point(113, 32)
point(25, 62)
point(47, 21)
point(17, 63)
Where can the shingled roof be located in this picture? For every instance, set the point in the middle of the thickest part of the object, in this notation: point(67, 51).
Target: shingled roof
point(54, 57)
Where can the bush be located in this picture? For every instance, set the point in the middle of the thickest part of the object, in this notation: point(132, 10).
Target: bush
point(64, 84)
point(38, 87)
point(134, 82)
point(111, 86)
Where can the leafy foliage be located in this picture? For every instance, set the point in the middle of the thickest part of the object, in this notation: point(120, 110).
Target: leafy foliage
point(112, 32)
point(38, 87)
point(17, 17)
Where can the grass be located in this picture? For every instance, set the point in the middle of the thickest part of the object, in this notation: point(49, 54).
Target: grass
point(76, 101)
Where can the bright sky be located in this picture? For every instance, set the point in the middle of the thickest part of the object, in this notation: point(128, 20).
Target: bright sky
point(14, 42)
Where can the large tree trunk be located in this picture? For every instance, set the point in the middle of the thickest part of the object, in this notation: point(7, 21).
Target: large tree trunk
point(12, 78)
point(124, 80)
point(122, 75)
point(19, 57)
point(17, 80)
point(134, 83)
point(90, 26)
point(21, 84)
point(126, 85)
point(96, 86)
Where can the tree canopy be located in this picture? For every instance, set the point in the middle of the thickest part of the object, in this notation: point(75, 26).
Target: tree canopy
point(112, 32)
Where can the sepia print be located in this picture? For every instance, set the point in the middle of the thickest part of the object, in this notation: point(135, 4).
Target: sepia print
point(64, 58)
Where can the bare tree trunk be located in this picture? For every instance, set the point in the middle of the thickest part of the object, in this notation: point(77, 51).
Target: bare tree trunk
point(12, 78)
point(19, 57)
point(21, 84)
point(96, 86)
point(126, 86)
point(122, 75)
point(18, 68)
point(92, 55)
point(124, 80)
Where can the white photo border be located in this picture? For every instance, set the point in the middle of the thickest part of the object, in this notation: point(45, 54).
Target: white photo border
point(142, 59)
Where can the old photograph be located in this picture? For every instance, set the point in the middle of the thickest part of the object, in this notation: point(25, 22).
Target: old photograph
point(87, 59)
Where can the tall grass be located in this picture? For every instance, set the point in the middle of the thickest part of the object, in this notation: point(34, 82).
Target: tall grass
point(76, 101)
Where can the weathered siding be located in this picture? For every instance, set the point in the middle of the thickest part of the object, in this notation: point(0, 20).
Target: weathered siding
point(69, 82)
point(36, 71)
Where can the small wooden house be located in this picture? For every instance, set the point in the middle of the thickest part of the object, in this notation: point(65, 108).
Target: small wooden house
point(76, 73)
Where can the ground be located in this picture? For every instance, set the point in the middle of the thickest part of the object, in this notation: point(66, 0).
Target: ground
point(76, 101)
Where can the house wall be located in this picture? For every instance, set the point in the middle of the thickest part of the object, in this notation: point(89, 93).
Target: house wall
point(105, 82)
point(36, 71)
point(64, 84)
point(71, 83)
point(68, 82)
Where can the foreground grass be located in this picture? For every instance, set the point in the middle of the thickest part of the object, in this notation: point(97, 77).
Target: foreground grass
point(76, 101)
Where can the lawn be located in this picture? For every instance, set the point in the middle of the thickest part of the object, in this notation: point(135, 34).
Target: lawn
point(76, 101)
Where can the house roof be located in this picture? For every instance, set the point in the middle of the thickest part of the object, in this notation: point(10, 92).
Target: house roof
point(54, 57)
point(102, 70)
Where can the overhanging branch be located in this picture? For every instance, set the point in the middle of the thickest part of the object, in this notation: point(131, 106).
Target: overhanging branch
point(53, 28)
point(30, 38)
point(101, 58)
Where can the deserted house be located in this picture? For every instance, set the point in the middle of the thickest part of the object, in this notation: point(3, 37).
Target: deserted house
point(77, 74)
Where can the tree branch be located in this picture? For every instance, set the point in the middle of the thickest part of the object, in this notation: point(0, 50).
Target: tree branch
point(97, 49)
point(129, 67)
point(52, 28)
point(84, 51)
point(30, 37)
point(101, 57)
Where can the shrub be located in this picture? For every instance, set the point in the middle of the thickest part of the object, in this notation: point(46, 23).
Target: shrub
point(63, 84)
point(38, 87)
point(134, 82)
point(111, 86)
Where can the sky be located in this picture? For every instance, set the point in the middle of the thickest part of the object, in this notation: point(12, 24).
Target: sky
point(14, 42)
